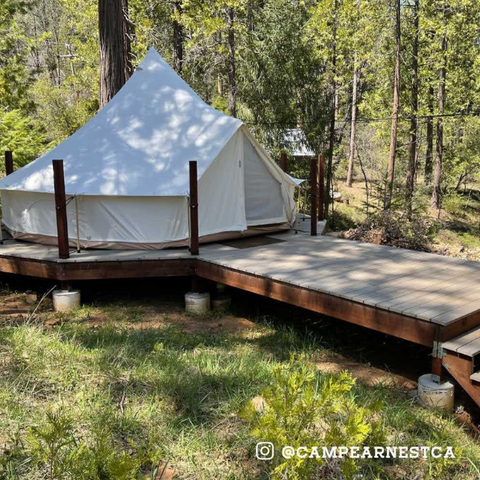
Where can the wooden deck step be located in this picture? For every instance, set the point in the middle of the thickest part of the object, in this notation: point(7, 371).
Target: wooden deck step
point(475, 377)
point(467, 344)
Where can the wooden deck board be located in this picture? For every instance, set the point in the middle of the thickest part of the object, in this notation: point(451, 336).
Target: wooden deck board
point(475, 377)
point(467, 344)
point(365, 273)
point(415, 284)
point(425, 299)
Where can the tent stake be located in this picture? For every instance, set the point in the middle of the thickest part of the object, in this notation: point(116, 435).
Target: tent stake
point(313, 206)
point(194, 250)
point(8, 162)
point(321, 187)
point(61, 208)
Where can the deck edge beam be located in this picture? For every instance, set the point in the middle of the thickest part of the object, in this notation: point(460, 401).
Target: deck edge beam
point(408, 328)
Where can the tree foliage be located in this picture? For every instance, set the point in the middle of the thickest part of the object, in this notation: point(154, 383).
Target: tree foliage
point(276, 64)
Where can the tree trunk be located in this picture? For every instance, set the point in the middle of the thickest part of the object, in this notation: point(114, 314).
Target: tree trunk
point(112, 49)
point(177, 40)
point(437, 178)
point(429, 152)
point(232, 79)
point(396, 107)
point(128, 36)
point(353, 125)
point(412, 151)
point(331, 147)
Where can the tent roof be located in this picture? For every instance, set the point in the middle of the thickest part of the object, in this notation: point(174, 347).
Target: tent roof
point(296, 140)
point(139, 144)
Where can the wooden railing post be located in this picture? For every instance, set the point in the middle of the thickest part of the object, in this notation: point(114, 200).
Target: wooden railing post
point(283, 161)
point(321, 187)
point(314, 187)
point(194, 249)
point(8, 162)
point(61, 208)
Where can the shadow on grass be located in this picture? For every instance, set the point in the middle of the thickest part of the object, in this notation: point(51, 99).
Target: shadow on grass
point(197, 372)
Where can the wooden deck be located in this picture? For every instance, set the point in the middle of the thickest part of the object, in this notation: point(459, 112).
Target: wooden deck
point(429, 287)
point(424, 298)
point(334, 276)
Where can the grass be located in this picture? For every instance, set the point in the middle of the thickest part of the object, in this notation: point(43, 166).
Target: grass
point(115, 391)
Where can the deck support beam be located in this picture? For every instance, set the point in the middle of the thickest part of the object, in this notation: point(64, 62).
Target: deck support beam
point(465, 324)
point(321, 187)
point(314, 200)
point(408, 328)
point(8, 162)
point(283, 161)
point(460, 368)
point(438, 372)
point(61, 209)
point(194, 248)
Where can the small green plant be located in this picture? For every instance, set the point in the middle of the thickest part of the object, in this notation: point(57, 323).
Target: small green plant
point(303, 408)
point(50, 442)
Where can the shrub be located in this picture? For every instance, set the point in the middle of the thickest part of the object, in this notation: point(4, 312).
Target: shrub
point(303, 408)
point(57, 447)
point(395, 229)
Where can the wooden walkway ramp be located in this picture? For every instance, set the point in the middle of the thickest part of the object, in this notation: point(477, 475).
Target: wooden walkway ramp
point(424, 298)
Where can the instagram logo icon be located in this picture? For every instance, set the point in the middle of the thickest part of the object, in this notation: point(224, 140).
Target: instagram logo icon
point(264, 451)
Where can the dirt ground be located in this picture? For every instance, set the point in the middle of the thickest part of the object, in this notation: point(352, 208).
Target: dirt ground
point(16, 308)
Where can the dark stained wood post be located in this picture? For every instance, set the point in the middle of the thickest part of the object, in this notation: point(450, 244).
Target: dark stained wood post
point(321, 187)
point(194, 250)
point(314, 187)
point(438, 372)
point(8, 162)
point(61, 208)
point(283, 161)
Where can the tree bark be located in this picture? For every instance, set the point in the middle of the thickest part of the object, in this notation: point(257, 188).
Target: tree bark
point(331, 147)
point(412, 151)
point(112, 48)
point(178, 39)
point(396, 108)
point(429, 151)
point(437, 177)
point(232, 79)
point(128, 37)
point(353, 125)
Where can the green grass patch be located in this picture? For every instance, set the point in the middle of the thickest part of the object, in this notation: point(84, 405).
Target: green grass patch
point(117, 401)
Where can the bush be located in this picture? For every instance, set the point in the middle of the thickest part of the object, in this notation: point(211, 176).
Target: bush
point(395, 229)
point(303, 408)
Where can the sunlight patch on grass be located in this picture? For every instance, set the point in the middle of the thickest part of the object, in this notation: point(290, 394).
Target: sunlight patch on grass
point(87, 399)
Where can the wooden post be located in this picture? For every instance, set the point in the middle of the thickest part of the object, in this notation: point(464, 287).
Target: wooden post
point(194, 250)
point(321, 187)
point(283, 162)
point(61, 208)
point(314, 187)
point(437, 370)
point(8, 162)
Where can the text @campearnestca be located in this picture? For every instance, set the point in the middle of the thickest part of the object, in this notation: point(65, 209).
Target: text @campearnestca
point(266, 451)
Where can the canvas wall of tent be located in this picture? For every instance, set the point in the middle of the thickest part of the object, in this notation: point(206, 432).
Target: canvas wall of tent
point(127, 169)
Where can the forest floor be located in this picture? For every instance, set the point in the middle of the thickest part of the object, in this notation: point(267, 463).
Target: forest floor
point(129, 386)
point(456, 232)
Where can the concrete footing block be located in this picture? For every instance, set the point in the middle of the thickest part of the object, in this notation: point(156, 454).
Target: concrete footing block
point(198, 303)
point(435, 395)
point(66, 300)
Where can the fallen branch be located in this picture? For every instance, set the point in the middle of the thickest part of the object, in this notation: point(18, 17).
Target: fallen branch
point(30, 317)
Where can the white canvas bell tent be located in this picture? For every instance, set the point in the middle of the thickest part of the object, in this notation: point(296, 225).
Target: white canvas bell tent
point(127, 171)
